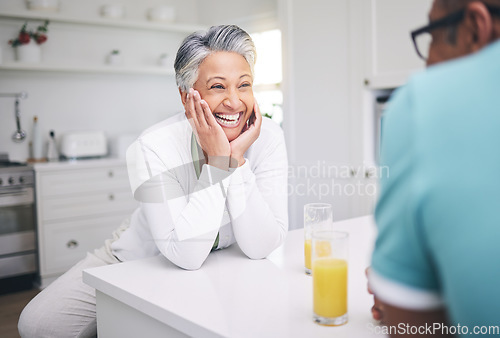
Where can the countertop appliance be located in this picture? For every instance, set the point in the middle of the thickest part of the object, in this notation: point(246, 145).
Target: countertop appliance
point(83, 144)
point(18, 252)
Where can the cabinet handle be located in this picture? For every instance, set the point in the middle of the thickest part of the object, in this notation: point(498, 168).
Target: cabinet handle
point(111, 197)
point(369, 174)
point(110, 174)
point(72, 244)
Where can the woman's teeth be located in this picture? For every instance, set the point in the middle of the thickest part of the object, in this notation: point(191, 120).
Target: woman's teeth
point(226, 119)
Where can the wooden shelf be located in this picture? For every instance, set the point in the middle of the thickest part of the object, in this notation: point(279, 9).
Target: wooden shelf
point(104, 69)
point(119, 23)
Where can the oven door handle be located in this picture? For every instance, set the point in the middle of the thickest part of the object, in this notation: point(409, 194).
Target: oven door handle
point(16, 197)
point(14, 193)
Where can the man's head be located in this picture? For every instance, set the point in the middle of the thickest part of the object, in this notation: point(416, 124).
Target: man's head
point(475, 30)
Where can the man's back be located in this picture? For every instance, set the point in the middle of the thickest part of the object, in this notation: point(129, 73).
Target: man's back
point(439, 211)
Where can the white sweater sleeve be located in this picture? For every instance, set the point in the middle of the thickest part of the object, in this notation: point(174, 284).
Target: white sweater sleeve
point(184, 228)
point(183, 225)
point(257, 201)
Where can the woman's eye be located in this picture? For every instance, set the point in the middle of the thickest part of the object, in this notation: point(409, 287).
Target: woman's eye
point(217, 87)
point(245, 85)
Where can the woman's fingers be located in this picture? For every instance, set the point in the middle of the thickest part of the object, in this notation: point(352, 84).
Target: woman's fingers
point(209, 117)
point(200, 115)
point(190, 111)
point(258, 115)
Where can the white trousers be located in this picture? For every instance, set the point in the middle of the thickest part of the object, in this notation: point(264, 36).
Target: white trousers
point(67, 307)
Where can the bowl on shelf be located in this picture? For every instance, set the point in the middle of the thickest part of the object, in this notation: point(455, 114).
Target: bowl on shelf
point(43, 5)
point(161, 14)
point(113, 11)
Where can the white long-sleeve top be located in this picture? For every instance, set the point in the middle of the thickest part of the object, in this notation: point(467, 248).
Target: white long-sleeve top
point(180, 214)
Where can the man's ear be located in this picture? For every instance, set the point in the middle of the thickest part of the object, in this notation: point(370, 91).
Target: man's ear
point(478, 26)
point(183, 96)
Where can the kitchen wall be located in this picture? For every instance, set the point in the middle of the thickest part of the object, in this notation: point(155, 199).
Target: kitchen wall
point(255, 15)
point(116, 103)
point(319, 60)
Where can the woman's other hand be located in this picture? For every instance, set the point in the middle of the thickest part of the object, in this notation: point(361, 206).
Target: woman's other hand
point(248, 136)
point(208, 132)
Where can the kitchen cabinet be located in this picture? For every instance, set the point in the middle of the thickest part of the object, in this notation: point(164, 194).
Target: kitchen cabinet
point(78, 206)
point(390, 54)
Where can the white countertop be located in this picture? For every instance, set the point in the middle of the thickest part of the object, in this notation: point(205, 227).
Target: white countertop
point(233, 296)
point(79, 164)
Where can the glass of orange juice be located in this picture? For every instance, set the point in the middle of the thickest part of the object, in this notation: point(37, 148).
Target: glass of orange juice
point(317, 216)
point(329, 271)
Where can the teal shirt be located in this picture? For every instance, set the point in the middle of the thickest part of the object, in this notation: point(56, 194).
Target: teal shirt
point(438, 213)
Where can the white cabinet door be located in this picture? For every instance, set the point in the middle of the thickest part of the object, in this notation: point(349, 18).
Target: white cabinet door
point(78, 207)
point(391, 56)
point(84, 181)
point(84, 205)
point(67, 242)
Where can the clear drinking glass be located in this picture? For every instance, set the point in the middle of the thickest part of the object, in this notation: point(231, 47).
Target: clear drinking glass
point(330, 251)
point(317, 216)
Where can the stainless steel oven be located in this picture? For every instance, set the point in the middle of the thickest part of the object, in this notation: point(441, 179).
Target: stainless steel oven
point(18, 252)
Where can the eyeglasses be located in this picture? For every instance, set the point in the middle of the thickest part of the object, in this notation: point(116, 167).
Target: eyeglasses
point(422, 37)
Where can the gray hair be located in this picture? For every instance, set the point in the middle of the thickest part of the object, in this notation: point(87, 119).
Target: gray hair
point(197, 46)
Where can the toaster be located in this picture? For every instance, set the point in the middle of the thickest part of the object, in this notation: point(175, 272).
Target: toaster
point(81, 144)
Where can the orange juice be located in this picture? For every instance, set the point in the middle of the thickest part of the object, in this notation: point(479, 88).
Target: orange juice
point(330, 287)
point(323, 249)
point(307, 253)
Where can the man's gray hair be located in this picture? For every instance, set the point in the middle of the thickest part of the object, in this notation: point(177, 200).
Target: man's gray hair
point(197, 46)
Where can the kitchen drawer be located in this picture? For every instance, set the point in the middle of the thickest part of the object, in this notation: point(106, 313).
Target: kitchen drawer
point(92, 204)
point(83, 181)
point(68, 242)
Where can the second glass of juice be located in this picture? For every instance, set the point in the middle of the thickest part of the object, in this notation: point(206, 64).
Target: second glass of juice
point(317, 216)
point(329, 271)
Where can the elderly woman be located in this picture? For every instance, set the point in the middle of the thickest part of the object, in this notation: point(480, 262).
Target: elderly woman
point(205, 179)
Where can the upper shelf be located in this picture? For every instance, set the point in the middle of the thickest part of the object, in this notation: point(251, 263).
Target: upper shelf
point(119, 23)
point(87, 69)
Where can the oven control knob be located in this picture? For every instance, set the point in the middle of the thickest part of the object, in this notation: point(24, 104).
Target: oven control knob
point(22, 179)
point(11, 180)
point(1, 181)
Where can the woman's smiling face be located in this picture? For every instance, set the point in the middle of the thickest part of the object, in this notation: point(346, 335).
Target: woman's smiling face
point(225, 83)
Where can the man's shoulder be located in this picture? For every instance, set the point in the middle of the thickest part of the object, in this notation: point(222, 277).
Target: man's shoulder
point(458, 74)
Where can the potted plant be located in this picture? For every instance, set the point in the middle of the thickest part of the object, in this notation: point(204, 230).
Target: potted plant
point(27, 43)
point(114, 58)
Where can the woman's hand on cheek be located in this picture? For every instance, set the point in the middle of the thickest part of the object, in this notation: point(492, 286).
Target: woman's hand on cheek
point(241, 144)
point(208, 132)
